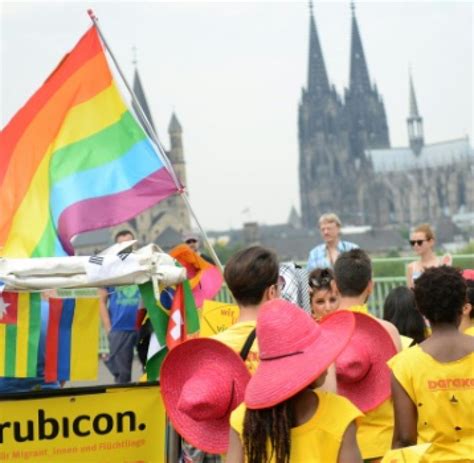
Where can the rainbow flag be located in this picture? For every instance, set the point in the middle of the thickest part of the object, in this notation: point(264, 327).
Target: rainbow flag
point(72, 340)
point(20, 327)
point(74, 159)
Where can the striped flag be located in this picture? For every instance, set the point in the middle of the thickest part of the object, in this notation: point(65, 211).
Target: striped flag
point(184, 319)
point(171, 326)
point(20, 326)
point(159, 317)
point(72, 339)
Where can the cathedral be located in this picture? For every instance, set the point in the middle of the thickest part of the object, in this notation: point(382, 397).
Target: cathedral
point(347, 164)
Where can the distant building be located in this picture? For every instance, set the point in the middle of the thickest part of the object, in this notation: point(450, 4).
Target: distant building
point(346, 163)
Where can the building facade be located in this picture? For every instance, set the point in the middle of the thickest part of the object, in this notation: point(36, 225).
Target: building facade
point(346, 162)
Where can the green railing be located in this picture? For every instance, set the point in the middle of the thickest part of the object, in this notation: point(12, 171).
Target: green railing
point(382, 286)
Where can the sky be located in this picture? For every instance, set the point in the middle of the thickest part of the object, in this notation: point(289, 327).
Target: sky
point(233, 73)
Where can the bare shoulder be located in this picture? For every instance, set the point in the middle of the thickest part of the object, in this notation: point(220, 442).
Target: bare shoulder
point(393, 332)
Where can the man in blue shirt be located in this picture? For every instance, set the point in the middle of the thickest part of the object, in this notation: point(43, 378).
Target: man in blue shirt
point(325, 255)
point(118, 311)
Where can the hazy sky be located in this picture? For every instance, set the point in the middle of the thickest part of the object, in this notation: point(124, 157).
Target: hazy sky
point(233, 73)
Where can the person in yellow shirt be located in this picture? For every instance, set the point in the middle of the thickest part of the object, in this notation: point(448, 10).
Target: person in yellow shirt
point(353, 275)
point(252, 277)
point(467, 319)
point(433, 383)
point(283, 419)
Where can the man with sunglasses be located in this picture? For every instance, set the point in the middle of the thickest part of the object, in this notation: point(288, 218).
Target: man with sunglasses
point(192, 240)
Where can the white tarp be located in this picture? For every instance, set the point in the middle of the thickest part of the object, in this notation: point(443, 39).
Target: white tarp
point(137, 267)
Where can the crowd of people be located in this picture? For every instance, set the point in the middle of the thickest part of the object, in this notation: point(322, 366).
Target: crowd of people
point(337, 384)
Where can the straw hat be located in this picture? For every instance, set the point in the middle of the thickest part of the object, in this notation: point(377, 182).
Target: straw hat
point(294, 351)
point(202, 382)
point(362, 372)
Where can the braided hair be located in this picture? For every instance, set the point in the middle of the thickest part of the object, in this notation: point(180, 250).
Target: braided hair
point(268, 425)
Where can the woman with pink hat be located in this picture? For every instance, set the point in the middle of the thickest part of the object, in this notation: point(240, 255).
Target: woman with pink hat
point(283, 418)
point(202, 381)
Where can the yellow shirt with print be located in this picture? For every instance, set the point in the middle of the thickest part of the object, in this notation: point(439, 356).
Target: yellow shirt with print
point(235, 337)
point(319, 439)
point(444, 396)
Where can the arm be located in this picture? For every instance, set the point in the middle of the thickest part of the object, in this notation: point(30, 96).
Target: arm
point(393, 332)
point(410, 275)
point(349, 451)
point(235, 454)
point(406, 417)
point(104, 311)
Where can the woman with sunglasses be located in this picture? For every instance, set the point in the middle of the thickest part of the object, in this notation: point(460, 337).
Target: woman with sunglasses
point(324, 295)
point(422, 240)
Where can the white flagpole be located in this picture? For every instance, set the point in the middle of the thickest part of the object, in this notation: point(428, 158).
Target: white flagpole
point(154, 137)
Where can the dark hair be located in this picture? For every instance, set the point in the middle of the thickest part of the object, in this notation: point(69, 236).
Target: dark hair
point(250, 272)
point(268, 425)
point(320, 278)
point(353, 272)
point(400, 309)
point(123, 233)
point(440, 294)
point(470, 296)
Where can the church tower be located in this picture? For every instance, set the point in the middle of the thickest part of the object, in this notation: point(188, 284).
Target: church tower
point(323, 140)
point(364, 106)
point(414, 123)
point(169, 215)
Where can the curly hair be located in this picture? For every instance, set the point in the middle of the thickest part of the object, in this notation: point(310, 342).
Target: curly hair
point(440, 294)
point(268, 425)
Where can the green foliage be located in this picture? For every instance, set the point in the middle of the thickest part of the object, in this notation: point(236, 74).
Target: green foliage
point(387, 268)
point(224, 252)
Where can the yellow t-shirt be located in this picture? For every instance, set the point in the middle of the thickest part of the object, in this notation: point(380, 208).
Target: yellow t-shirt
point(444, 396)
point(375, 431)
point(406, 341)
point(319, 439)
point(469, 331)
point(235, 338)
point(359, 309)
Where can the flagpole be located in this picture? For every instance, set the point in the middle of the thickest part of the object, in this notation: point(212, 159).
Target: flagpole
point(154, 137)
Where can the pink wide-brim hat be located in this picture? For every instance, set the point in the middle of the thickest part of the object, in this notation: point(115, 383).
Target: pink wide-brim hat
point(202, 382)
point(468, 274)
point(294, 351)
point(362, 373)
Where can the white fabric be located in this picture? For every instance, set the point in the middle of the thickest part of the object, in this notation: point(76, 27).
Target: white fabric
point(145, 264)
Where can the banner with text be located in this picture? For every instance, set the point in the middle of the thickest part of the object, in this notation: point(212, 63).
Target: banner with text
point(217, 316)
point(115, 424)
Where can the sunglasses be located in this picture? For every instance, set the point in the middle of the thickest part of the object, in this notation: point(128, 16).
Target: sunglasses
point(418, 242)
point(190, 241)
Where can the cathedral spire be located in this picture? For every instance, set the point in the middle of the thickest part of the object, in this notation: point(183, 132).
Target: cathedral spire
point(317, 77)
point(413, 104)
point(414, 121)
point(140, 94)
point(359, 74)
